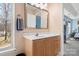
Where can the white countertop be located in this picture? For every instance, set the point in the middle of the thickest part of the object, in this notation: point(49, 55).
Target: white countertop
point(32, 36)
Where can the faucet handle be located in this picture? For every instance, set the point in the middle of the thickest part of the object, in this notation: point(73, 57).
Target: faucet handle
point(37, 34)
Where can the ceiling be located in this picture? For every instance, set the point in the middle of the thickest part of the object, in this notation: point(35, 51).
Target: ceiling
point(72, 8)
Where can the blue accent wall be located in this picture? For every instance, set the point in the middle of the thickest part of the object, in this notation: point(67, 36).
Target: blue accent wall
point(74, 25)
point(38, 21)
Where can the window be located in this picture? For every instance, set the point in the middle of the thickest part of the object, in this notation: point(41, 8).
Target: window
point(6, 17)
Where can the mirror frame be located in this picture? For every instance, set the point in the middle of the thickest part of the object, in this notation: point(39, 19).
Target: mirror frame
point(25, 16)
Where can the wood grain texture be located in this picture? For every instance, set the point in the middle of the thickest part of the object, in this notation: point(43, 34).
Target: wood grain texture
point(44, 47)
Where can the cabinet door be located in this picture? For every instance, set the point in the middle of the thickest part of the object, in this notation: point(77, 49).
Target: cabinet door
point(52, 46)
point(38, 51)
point(38, 47)
point(46, 46)
point(35, 47)
point(57, 45)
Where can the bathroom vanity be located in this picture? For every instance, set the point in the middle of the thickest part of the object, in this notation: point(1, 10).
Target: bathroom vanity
point(42, 45)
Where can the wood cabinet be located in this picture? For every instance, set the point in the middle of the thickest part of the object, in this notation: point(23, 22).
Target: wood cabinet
point(46, 47)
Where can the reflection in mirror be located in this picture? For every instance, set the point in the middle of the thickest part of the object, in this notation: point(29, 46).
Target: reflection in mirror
point(44, 18)
point(36, 17)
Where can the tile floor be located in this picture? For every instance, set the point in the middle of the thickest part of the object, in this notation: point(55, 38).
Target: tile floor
point(71, 48)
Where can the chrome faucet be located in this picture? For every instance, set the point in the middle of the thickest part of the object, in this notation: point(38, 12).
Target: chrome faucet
point(36, 34)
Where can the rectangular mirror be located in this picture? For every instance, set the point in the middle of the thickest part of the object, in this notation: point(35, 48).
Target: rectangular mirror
point(35, 17)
